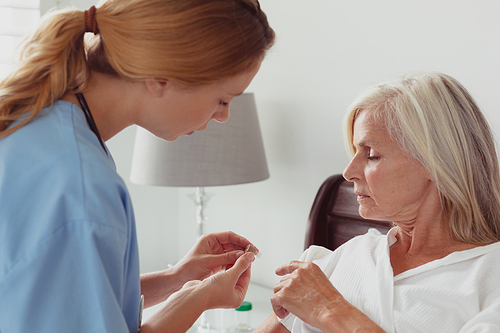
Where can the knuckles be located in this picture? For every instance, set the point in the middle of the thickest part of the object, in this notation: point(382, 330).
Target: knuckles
point(305, 269)
point(300, 274)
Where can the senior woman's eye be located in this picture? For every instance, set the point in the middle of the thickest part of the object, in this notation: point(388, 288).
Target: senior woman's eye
point(372, 155)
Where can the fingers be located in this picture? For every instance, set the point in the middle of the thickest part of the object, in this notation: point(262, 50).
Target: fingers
point(230, 258)
point(213, 253)
point(231, 241)
point(280, 311)
point(289, 268)
point(277, 299)
point(221, 242)
point(223, 260)
point(299, 278)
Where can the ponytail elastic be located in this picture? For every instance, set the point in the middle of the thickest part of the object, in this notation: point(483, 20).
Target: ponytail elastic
point(90, 22)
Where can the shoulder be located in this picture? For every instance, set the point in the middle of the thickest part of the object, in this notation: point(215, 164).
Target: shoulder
point(484, 262)
point(350, 251)
point(56, 151)
point(59, 142)
point(53, 135)
point(53, 172)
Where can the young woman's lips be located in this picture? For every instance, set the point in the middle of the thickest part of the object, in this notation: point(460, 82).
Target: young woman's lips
point(190, 133)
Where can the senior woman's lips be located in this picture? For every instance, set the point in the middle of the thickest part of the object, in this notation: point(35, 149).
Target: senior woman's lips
point(361, 196)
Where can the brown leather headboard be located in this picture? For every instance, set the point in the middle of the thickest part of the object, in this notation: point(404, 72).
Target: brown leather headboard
point(334, 217)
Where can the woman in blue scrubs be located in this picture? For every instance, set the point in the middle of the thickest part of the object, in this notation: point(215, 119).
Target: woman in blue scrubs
point(68, 249)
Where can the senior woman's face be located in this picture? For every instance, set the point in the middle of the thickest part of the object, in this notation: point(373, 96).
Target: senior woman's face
point(390, 185)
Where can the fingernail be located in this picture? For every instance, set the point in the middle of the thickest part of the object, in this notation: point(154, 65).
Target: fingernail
point(250, 256)
point(239, 254)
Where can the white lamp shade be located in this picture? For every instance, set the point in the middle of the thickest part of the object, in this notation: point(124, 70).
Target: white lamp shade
point(223, 154)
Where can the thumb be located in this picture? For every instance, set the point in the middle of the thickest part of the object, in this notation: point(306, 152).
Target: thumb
point(242, 264)
point(225, 259)
point(240, 271)
point(240, 274)
point(233, 282)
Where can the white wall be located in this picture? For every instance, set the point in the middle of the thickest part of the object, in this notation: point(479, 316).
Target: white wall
point(327, 52)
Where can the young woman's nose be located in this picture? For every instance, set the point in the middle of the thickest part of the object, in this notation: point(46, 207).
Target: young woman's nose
point(222, 114)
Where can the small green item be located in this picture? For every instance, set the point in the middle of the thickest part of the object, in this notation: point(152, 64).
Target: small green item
point(245, 306)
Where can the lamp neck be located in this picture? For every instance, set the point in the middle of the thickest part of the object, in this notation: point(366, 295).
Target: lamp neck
point(200, 201)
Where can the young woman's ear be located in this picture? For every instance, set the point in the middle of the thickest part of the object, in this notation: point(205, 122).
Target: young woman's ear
point(156, 87)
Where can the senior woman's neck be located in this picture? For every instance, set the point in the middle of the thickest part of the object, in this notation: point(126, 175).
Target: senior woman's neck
point(422, 244)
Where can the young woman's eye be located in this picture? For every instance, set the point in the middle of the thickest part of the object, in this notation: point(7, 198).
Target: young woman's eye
point(221, 102)
point(373, 158)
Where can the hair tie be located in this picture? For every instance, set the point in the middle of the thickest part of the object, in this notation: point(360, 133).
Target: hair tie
point(253, 5)
point(90, 22)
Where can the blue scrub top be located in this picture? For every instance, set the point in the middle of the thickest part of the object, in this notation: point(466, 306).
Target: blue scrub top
point(68, 248)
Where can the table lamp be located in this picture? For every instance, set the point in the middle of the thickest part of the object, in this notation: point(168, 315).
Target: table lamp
point(223, 154)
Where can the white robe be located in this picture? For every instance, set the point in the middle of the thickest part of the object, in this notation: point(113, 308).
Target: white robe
point(458, 293)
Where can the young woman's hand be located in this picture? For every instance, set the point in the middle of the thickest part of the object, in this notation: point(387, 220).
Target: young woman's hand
point(211, 254)
point(225, 289)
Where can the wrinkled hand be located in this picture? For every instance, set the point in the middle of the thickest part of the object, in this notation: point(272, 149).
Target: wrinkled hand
point(211, 254)
point(306, 292)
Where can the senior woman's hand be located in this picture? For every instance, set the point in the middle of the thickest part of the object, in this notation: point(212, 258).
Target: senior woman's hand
point(306, 292)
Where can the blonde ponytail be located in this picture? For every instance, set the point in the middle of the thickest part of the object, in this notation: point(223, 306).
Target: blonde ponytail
point(52, 62)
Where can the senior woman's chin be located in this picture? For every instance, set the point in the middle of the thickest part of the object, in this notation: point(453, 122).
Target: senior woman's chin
point(371, 214)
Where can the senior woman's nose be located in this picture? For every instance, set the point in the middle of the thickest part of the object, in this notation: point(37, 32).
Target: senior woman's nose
point(351, 172)
point(346, 173)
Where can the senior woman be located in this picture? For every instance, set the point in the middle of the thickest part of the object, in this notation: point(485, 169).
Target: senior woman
point(424, 158)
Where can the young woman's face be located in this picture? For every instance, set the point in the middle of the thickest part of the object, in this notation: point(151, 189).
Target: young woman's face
point(390, 185)
point(185, 110)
